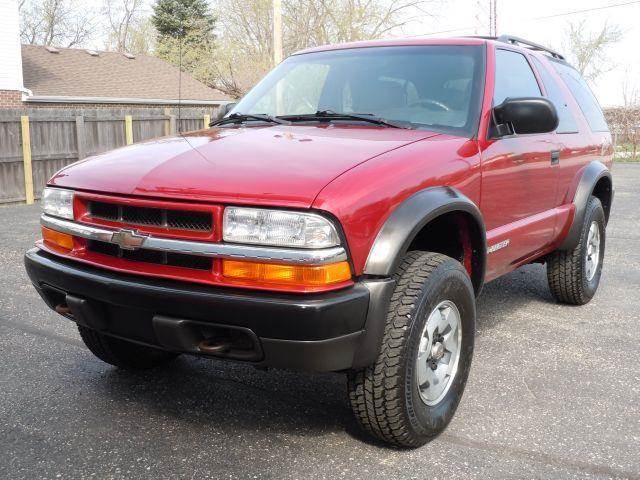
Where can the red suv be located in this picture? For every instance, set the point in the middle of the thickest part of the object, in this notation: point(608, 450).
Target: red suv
point(342, 217)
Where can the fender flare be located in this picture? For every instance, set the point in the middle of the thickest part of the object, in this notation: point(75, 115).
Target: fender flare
point(406, 221)
point(590, 177)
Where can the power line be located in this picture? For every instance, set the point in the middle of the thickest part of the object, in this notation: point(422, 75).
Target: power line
point(461, 29)
point(587, 10)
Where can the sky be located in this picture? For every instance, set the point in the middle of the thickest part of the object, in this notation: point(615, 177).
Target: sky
point(546, 22)
point(542, 21)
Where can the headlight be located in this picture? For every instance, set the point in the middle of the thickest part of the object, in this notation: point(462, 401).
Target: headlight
point(278, 227)
point(58, 202)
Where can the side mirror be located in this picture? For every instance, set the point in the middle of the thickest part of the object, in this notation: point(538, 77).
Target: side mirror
point(525, 115)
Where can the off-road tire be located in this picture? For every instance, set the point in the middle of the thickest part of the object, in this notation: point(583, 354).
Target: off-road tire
point(121, 353)
point(384, 396)
point(566, 271)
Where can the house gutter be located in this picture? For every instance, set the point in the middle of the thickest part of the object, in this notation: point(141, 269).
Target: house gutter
point(114, 100)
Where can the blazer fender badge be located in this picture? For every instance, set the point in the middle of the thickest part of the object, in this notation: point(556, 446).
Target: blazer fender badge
point(127, 239)
point(498, 246)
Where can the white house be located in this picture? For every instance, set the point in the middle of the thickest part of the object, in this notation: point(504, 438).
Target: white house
point(11, 84)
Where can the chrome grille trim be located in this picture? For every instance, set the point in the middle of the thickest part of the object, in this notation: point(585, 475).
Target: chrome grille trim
point(206, 249)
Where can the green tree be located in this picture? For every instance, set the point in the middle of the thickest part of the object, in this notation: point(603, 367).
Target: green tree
point(185, 36)
point(180, 18)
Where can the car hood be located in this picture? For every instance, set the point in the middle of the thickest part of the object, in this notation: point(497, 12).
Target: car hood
point(275, 165)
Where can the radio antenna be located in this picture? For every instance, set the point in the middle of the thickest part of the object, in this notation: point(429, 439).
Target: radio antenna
point(180, 84)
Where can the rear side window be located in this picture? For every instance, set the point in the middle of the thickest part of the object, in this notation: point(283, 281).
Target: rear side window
point(514, 77)
point(583, 95)
point(567, 123)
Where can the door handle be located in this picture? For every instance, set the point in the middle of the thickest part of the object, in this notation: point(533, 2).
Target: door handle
point(555, 157)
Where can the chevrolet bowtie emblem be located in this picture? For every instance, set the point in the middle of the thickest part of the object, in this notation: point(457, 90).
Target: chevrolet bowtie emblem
point(127, 239)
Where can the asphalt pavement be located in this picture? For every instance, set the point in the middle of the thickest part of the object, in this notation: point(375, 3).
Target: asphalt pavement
point(554, 391)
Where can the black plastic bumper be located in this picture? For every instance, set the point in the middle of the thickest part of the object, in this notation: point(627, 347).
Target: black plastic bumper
point(319, 332)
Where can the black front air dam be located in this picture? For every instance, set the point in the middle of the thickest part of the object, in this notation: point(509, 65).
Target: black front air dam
point(315, 332)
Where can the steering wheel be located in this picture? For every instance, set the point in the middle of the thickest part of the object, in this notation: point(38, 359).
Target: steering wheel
point(428, 101)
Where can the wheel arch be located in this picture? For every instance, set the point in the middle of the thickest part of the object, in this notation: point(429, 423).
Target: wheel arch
point(411, 225)
point(595, 180)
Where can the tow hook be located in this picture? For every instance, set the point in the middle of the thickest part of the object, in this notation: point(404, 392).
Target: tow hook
point(63, 309)
point(209, 348)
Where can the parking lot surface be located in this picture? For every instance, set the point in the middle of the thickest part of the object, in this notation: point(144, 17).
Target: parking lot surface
point(554, 391)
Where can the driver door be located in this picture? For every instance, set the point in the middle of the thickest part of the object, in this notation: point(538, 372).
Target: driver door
point(519, 176)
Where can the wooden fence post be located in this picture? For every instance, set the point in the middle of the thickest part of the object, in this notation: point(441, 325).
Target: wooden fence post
point(26, 159)
point(207, 120)
point(128, 129)
point(172, 125)
point(80, 137)
point(167, 123)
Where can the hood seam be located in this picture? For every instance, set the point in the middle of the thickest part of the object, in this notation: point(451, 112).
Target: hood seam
point(366, 160)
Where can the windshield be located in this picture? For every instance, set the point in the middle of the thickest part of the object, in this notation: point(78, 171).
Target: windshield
point(430, 87)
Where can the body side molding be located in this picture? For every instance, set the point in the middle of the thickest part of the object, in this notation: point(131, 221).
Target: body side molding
point(406, 221)
point(590, 177)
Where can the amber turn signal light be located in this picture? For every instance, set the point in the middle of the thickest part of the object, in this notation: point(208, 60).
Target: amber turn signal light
point(57, 239)
point(295, 275)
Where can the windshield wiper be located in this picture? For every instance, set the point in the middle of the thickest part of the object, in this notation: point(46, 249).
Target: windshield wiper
point(331, 115)
point(238, 118)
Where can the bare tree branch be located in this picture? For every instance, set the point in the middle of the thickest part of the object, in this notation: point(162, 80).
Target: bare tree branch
point(124, 24)
point(588, 49)
point(245, 44)
point(64, 23)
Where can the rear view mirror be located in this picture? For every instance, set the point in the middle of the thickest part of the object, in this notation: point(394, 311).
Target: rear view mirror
point(525, 115)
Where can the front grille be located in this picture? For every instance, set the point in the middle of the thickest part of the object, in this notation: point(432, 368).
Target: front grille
point(151, 256)
point(155, 217)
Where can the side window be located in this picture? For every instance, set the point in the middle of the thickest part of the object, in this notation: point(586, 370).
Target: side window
point(514, 77)
point(583, 95)
point(567, 123)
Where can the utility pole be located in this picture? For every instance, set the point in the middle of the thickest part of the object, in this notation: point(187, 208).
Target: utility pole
point(277, 32)
point(477, 20)
point(493, 18)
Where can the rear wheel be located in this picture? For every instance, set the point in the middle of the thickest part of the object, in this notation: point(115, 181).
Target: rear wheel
point(121, 353)
point(409, 395)
point(574, 275)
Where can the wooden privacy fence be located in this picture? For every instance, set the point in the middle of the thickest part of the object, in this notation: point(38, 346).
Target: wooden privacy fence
point(36, 143)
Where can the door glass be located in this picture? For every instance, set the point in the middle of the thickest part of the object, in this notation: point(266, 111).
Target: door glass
point(514, 77)
point(567, 123)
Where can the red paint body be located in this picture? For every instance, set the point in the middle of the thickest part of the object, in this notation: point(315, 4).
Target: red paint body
point(359, 174)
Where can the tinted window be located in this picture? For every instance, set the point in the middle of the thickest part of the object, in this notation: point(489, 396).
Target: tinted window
point(583, 95)
point(432, 87)
point(514, 77)
point(555, 94)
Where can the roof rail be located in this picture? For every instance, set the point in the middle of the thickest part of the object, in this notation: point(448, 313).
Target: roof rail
point(510, 39)
point(482, 37)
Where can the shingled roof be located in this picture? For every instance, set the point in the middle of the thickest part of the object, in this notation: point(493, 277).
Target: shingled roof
point(69, 72)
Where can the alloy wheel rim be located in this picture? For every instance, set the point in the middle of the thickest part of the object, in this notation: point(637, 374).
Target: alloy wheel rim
point(439, 352)
point(592, 258)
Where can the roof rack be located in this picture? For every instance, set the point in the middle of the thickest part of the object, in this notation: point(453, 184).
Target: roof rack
point(510, 39)
point(482, 37)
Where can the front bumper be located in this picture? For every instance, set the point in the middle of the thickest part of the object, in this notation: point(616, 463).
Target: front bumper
point(314, 332)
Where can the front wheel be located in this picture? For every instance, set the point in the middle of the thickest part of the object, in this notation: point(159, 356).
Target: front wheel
point(409, 395)
point(123, 354)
